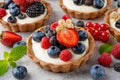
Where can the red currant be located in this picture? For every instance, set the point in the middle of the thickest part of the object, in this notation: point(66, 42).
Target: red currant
point(104, 36)
point(89, 24)
point(53, 26)
point(90, 29)
point(97, 34)
point(104, 27)
point(96, 26)
point(65, 17)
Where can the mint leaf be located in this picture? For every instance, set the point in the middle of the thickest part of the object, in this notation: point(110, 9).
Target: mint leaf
point(3, 66)
point(17, 53)
point(13, 64)
point(6, 55)
point(105, 48)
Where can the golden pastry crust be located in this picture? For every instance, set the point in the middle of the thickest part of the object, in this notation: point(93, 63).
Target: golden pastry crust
point(68, 66)
point(83, 15)
point(113, 32)
point(16, 27)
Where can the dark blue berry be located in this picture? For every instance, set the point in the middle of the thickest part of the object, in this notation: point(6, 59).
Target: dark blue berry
point(21, 16)
point(14, 11)
point(117, 67)
point(118, 4)
point(88, 2)
point(53, 51)
point(46, 29)
point(51, 33)
point(37, 36)
point(7, 3)
point(80, 23)
point(20, 72)
point(78, 2)
point(79, 48)
point(98, 4)
point(53, 41)
point(117, 24)
point(12, 19)
point(12, 6)
point(61, 46)
point(19, 43)
point(82, 35)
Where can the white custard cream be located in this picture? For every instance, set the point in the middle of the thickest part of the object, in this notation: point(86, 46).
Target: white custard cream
point(42, 54)
point(27, 19)
point(81, 8)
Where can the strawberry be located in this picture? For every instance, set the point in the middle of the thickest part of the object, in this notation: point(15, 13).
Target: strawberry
point(68, 37)
point(8, 38)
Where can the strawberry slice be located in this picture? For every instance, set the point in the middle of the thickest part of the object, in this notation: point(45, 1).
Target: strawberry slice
point(68, 37)
point(8, 38)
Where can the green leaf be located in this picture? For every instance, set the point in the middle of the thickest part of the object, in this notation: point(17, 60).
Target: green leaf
point(17, 53)
point(105, 48)
point(13, 64)
point(6, 55)
point(3, 66)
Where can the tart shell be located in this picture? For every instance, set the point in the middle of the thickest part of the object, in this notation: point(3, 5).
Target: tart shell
point(66, 67)
point(113, 32)
point(16, 27)
point(83, 15)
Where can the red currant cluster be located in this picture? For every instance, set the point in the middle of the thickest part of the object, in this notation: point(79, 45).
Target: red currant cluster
point(100, 32)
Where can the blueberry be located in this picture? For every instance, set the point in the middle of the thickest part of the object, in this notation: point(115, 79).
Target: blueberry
point(97, 72)
point(14, 11)
point(53, 41)
point(62, 47)
point(19, 43)
point(80, 23)
point(12, 6)
point(78, 2)
point(37, 36)
point(118, 4)
point(12, 19)
point(98, 4)
point(117, 67)
point(7, 3)
point(53, 51)
point(88, 2)
point(21, 16)
point(117, 24)
point(79, 48)
point(50, 33)
point(82, 35)
point(46, 29)
point(20, 72)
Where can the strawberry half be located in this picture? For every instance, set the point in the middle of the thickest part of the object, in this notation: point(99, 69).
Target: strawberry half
point(68, 37)
point(8, 38)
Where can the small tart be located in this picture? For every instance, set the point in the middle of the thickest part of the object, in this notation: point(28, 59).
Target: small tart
point(26, 27)
point(114, 32)
point(64, 67)
point(85, 15)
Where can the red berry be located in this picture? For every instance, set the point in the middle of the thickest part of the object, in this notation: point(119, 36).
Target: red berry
point(104, 27)
point(45, 44)
point(96, 26)
point(116, 51)
point(2, 12)
point(54, 25)
point(104, 36)
point(105, 60)
point(65, 55)
point(89, 24)
point(97, 34)
point(65, 17)
point(90, 29)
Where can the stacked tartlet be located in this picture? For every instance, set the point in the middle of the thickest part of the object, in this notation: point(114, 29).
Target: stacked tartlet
point(25, 16)
point(61, 47)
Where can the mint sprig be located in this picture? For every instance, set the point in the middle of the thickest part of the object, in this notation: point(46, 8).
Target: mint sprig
point(10, 58)
point(105, 48)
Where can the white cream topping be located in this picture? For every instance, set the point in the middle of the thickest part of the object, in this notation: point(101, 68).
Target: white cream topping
point(27, 19)
point(82, 8)
point(42, 54)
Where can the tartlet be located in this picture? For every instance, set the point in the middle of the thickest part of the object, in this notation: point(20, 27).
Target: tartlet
point(114, 31)
point(85, 15)
point(66, 66)
point(26, 27)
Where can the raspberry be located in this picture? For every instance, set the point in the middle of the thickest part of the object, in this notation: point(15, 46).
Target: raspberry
point(116, 51)
point(65, 55)
point(65, 17)
point(45, 44)
point(23, 9)
point(54, 25)
point(105, 60)
point(2, 12)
